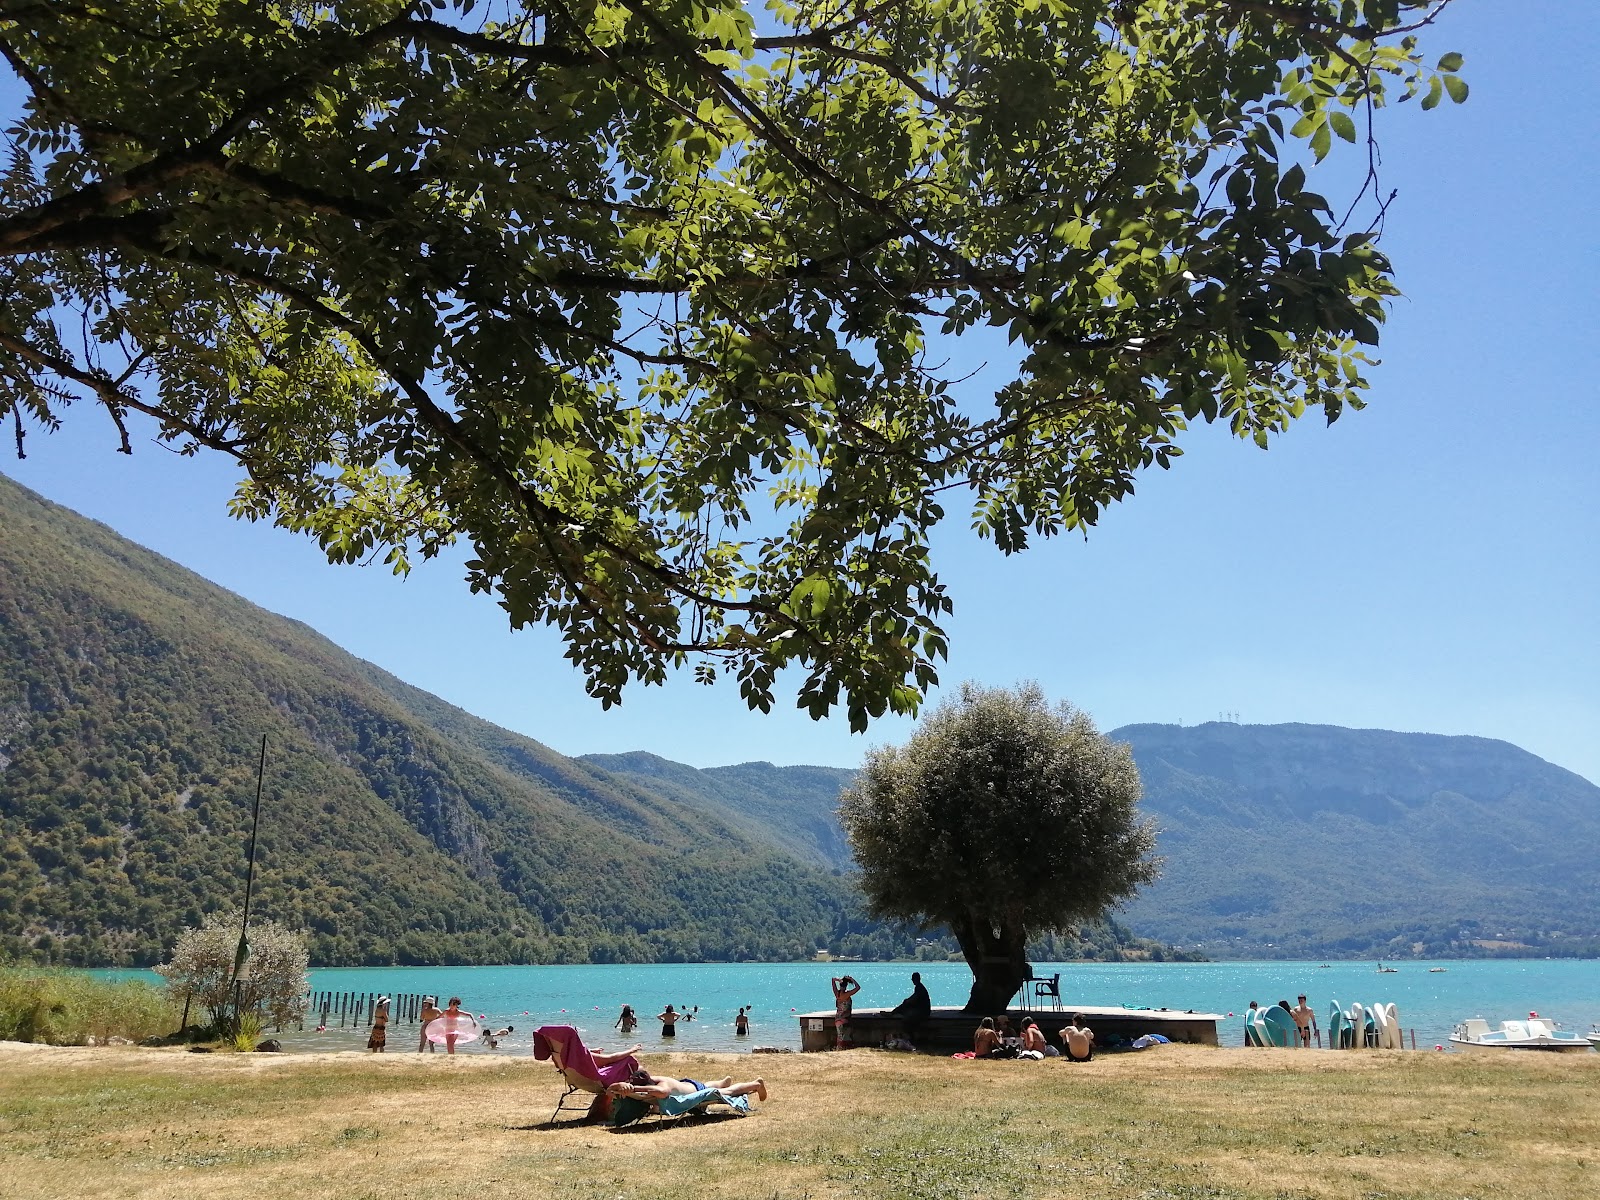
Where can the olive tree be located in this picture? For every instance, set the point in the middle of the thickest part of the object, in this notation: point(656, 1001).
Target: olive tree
point(1001, 818)
point(274, 985)
point(653, 301)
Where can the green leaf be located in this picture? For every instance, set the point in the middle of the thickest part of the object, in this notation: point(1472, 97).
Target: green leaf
point(1304, 126)
point(1321, 142)
point(810, 597)
point(1435, 92)
point(1450, 62)
point(1456, 86)
point(1343, 125)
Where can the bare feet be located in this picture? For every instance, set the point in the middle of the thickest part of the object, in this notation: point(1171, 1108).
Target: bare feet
point(761, 1088)
point(725, 1082)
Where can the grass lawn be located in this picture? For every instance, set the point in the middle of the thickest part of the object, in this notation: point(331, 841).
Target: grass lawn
point(1174, 1123)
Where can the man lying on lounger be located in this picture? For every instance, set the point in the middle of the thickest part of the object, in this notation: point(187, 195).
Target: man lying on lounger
point(645, 1086)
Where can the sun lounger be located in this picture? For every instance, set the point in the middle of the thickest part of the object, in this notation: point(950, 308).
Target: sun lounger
point(562, 1045)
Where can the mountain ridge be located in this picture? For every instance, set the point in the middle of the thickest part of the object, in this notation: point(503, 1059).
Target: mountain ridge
point(133, 693)
point(132, 697)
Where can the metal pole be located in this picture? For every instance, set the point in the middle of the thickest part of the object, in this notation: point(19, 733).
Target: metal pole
point(249, 885)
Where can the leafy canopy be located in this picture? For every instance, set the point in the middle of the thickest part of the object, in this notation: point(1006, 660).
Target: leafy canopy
point(1000, 817)
point(273, 987)
point(645, 298)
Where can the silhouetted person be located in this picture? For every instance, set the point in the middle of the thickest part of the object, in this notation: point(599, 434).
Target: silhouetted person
point(915, 1008)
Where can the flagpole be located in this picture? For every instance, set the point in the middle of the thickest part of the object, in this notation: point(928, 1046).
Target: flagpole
point(249, 884)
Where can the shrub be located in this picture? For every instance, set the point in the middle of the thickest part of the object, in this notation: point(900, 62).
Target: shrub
point(275, 985)
point(66, 1008)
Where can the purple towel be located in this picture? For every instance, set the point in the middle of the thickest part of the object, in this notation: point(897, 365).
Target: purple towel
point(574, 1055)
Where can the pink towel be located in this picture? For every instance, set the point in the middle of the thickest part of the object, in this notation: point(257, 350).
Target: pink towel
point(575, 1055)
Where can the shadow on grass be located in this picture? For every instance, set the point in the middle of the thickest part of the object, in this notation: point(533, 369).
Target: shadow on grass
point(648, 1125)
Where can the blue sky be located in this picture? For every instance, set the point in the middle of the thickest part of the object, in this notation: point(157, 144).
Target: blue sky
point(1429, 564)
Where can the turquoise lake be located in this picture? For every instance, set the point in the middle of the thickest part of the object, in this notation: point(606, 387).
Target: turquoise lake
point(590, 997)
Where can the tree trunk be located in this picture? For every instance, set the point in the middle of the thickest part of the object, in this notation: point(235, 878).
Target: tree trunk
point(998, 963)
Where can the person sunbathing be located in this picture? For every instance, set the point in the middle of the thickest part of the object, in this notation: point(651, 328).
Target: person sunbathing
point(645, 1086)
point(1033, 1040)
point(985, 1039)
point(1077, 1039)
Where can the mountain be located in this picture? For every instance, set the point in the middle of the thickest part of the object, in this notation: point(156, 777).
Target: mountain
point(1312, 840)
point(395, 827)
point(790, 807)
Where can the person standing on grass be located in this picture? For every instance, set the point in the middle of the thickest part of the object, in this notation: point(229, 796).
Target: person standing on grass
point(1305, 1020)
point(430, 1011)
point(669, 1019)
point(844, 989)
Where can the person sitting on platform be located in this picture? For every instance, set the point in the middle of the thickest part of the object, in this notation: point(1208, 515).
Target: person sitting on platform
point(915, 1008)
point(1077, 1039)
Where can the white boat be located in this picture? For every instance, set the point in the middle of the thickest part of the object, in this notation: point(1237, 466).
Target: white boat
point(1594, 1036)
point(1532, 1034)
point(1437, 970)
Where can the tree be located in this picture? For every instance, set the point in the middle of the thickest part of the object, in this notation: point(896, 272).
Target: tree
point(1001, 818)
point(645, 298)
point(274, 986)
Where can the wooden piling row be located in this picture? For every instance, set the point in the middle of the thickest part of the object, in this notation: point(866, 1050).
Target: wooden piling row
point(357, 1008)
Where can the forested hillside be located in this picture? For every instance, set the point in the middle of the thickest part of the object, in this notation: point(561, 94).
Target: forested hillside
point(1286, 841)
point(132, 698)
point(793, 808)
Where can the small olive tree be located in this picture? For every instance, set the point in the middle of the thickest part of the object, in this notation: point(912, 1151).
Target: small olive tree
point(1002, 818)
point(273, 985)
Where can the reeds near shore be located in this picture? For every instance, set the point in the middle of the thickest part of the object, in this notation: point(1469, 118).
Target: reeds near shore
point(67, 1008)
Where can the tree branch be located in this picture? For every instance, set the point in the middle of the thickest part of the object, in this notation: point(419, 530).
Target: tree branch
point(115, 398)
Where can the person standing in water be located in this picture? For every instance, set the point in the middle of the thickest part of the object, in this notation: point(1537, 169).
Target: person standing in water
point(454, 1013)
point(741, 1025)
point(430, 1010)
point(379, 1037)
point(668, 1019)
point(626, 1022)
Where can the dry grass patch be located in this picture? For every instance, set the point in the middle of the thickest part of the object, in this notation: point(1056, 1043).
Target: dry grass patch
point(1179, 1123)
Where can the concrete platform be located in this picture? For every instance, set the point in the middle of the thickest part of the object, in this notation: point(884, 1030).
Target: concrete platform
point(948, 1030)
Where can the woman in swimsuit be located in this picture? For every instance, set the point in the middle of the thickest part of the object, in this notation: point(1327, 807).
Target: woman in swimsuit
point(741, 1025)
point(627, 1020)
point(379, 1037)
point(668, 1019)
point(844, 989)
point(985, 1040)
